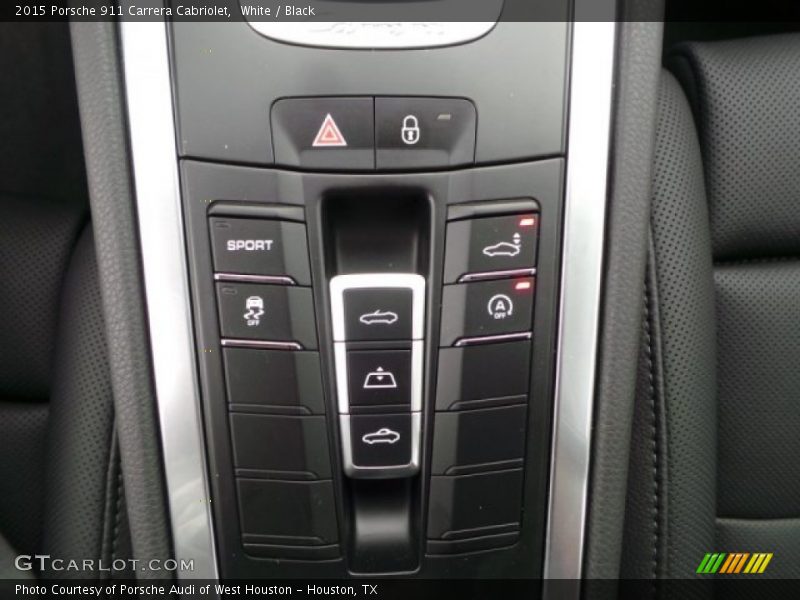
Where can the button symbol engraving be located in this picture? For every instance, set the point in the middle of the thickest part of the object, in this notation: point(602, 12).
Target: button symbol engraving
point(254, 306)
point(410, 131)
point(329, 135)
point(249, 245)
point(500, 306)
point(380, 380)
point(384, 435)
point(505, 248)
point(379, 317)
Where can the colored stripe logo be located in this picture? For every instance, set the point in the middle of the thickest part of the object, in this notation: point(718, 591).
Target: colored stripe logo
point(734, 563)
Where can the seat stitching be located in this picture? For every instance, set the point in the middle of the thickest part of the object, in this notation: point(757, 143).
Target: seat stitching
point(117, 515)
point(654, 431)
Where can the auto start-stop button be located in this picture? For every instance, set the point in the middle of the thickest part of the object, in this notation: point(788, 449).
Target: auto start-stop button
point(260, 247)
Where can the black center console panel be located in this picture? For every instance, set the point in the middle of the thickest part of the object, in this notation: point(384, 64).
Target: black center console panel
point(228, 77)
point(374, 242)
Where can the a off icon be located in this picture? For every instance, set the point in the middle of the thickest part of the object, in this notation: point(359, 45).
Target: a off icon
point(500, 306)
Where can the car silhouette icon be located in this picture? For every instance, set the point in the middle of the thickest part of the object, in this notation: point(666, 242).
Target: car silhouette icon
point(254, 303)
point(379, 317)
point(502, 249)
point(384, 435)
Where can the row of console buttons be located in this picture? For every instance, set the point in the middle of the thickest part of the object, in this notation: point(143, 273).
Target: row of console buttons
point(475, 495)
point(351, 133)
point(479, 438)
point(273, 378)
point(250, 256)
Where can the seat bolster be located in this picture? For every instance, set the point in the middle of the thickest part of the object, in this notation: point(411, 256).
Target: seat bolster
point(677, 402)
point(744, 94)
point(82, 482)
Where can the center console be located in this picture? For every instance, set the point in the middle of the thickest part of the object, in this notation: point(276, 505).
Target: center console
point(373, 254)
point(376, 359)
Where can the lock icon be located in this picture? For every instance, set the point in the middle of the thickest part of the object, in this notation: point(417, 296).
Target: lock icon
point(410, 132)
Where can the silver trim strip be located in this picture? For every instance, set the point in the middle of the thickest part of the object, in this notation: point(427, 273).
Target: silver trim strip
point(483, 275)
point(263, 344)
point(342, 390)
point(271, 279)
point(489, 339)
point(354, 471)
point(592, 79)
point(417, 367)
point(373, 34)
point(148, 93)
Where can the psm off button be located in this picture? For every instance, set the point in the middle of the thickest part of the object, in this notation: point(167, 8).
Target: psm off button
point(260, 247)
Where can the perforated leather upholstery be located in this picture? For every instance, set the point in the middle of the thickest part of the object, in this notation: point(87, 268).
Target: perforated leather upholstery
point(719, 470)
point(60, 489)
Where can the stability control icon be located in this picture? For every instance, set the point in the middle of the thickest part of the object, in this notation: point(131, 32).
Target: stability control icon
point(254, 307)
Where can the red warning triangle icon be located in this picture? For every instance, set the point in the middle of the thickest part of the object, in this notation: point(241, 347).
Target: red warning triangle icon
point(329, 134)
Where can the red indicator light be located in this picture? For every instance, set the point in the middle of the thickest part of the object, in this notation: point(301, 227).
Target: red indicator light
point(527, 222)
point(522, 285)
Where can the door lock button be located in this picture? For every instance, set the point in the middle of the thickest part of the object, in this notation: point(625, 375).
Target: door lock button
point(424, 132)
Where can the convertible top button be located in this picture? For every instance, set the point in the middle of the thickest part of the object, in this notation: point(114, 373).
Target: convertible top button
point(380, 440)
point(373, 314)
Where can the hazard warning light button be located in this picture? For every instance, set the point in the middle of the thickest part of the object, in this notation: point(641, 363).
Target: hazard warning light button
point(324, 133)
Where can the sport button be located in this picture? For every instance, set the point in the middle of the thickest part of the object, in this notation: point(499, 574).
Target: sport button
point(260, 247)
point(324, 133)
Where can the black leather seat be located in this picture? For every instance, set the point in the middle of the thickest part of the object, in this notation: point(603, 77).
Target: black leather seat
point(60, 484)
point(715, 461)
